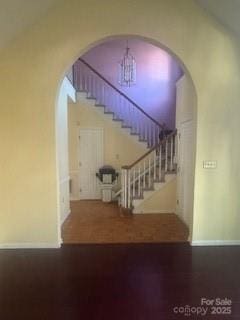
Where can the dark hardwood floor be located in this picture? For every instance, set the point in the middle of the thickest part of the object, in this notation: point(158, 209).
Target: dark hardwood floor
point(117, 282)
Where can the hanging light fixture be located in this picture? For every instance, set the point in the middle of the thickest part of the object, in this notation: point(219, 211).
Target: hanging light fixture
point(127, 69)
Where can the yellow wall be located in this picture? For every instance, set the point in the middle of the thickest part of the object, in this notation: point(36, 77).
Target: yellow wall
point(119, 148)
point(31, 69)
point(162, 201)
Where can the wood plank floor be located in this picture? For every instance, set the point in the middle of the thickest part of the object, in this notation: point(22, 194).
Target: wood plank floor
point(120, 282)
point(98, 222)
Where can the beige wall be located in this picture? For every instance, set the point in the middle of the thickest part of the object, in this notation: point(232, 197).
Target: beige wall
point(162, 201)
point(32, 67)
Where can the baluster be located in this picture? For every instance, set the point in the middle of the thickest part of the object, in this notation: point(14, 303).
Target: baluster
point(123, 185)
point(129, 189)
point(160, 163)
point(128, 115)
point(175, 148)
point(156, 130)
point(144, 174)
point(145, 129)
point(171, 159)
point(134, 181)
point(149, 171)
point(154, 164)
point(83, 80)
point(138, 128)
point(166, 155)
point(139, 180)
point(149, 134)
point(133, 119)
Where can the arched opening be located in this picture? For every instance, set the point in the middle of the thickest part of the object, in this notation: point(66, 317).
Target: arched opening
point(166, 95)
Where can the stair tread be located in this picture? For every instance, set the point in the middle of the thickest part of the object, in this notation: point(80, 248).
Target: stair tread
point(117, 119)
point(108, 112)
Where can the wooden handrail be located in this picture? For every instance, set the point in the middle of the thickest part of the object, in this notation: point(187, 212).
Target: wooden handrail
point(122, 94)
point(151, 150)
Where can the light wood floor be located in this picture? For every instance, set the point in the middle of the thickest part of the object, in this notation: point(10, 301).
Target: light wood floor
point(98, 222)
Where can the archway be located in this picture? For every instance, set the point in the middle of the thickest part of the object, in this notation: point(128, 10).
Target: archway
point(186, 89)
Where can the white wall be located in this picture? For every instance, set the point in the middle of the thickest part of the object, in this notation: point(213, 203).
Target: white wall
point(66, 91)
point(186, 117)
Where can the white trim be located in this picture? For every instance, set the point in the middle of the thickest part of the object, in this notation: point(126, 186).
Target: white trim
point(30, 245)
point(215, 243)
point(139, 211)
point(65, 216)
point(64, 180)
point(70, 90)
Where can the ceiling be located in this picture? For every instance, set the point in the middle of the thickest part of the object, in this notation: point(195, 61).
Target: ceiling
point(17, 15)
point(226, 11)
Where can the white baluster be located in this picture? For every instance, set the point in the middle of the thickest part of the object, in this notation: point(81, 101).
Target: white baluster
point(129, 189)
point(149, 135)
point(134, 181)
point(160, 163)
point(171, 161)
point(139, 180)
point(123, 193)
point(144, 174)
point(149, 171)
point(154, 164)
point(166, 155)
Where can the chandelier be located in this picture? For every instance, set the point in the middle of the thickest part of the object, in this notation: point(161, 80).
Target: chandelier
point(127, 69)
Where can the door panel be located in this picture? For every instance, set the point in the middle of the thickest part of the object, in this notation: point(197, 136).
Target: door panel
point(186, 171)
point(90, 160)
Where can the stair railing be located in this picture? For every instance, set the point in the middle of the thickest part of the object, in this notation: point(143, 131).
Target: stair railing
point(150, 168)
point(87, 79)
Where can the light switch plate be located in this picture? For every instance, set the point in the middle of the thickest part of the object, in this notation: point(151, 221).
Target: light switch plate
point(209, 164)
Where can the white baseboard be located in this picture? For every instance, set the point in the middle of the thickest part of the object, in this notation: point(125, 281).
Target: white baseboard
point(30, 245)
point(215, 243)
point(140, 211)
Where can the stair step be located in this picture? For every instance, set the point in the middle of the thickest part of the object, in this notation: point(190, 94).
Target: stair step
point(126, 127)
point(134, 134)
point(118, 120)
point(91, 98)
point(108, 112)
point(99, 105)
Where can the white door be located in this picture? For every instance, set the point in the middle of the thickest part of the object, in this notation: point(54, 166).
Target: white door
point(185, 171)
point(90, 160)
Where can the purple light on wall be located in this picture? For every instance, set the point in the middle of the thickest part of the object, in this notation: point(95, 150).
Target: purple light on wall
point(157, 72)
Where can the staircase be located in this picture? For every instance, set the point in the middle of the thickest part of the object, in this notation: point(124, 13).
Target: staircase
point(114, 102)
point(158, 165)
point(149, 173)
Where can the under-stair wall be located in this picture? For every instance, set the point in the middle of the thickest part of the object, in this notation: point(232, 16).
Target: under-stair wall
point(119, 146)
